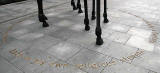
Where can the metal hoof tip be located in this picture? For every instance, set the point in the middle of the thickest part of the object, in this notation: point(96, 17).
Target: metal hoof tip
point(106, 21)
point(87, 28)
point(75, 8)
point(45, 24)
point(99, 41)
point(80, 11)
point(93, 17)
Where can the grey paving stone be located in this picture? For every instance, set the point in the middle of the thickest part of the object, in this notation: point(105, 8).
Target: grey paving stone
point(19, 45)
point(4, 27)
point(63, 33)
point(5, 14)
point(152, 71)
point(18, 33)
point(140, 32)
point(119, 37)
point(86, 39)
point(62, 67)
point(118, 27)
point(34, 61)
point(87, 58)
point(119, 50)
point(148, 60)
point(64, 23)
point(24, 7)
point(78, 27)
point(5, 40)
point(44, 43)
point(30, 36)
point(30, 23)
point(7, 67)
point(119, 67)
point(64, 50)
point(48, 30)
point(156, 49)
point(141, 43)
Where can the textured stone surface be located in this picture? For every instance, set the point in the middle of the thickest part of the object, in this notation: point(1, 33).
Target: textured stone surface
point(46, 50)
point(64, 50)
point(119, 37)
point(149, 61)
point(141, 43)
point(119, 67)
point(7, 67)
point(90, 57)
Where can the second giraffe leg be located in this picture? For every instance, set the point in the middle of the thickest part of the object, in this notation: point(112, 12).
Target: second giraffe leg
point(73, 5)
point(98, 31)
point(41, 15)
point(105, 12)
point(79, 6)
point(93, 10)
point(86, 20)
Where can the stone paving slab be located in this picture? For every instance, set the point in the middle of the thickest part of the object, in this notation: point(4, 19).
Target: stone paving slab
point(40, 50)
point(149, 61)
point(33, 61)
point(87, 58)
point(67, 68)
point(7, 67)
point(64, 54)
point(19, 45)
point(119, 67)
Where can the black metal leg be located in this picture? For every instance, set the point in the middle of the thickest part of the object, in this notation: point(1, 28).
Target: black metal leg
point(86, 20)
point(98, 31)
point(73, 5)
point(93, 10)
point(105, 12)
point(42, 17)
point(79, 6)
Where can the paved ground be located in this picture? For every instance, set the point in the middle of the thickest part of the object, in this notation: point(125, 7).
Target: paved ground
point(131, 39)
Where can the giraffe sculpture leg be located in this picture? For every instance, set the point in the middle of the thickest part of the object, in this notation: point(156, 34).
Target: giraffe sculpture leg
point(41, 15)
point(73, 5)
point(93, 10)
point(105, 12)
point(98, 31)
point(86, 20)
point(79, 6)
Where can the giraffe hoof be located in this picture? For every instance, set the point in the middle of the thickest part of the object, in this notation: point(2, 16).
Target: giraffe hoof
point(93, 17)
point(80, 11)
point(106, 21)
point(75, 8)
point(87, 28)
point(99, 41)
point(45, 24)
